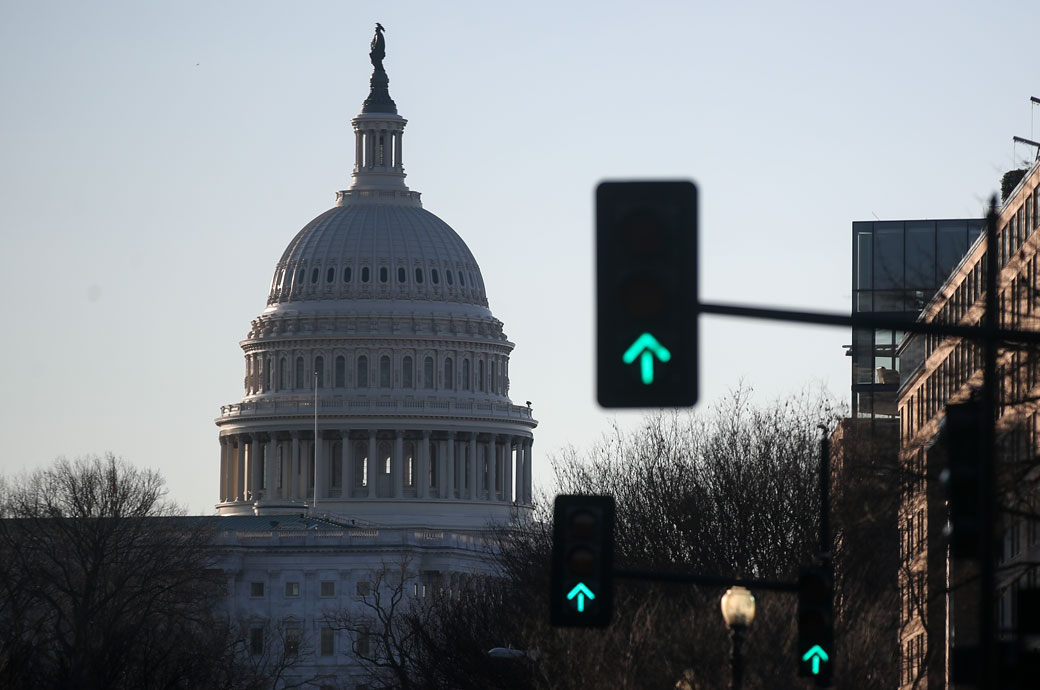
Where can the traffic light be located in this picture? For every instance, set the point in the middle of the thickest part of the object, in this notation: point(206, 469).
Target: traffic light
point(582, 593)
point(963, 434)
point(646, 294)
point(816, 624)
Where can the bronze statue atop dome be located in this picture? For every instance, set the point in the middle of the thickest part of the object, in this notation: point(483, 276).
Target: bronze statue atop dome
point(378, 51)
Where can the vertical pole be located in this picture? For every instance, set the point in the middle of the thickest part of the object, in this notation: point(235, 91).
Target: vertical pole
point(317, 462)
point(825, 494)
point(990, 321)
point(737, 674)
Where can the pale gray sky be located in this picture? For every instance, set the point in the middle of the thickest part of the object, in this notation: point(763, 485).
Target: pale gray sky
point(156, 158)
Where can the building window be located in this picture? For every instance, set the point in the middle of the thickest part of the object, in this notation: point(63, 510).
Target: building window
point(361, 464)
point(364, 274)
point(256, 641)
point(462, 280)
point(384, 457)
point(363, 588)
point(465, 375)
point(283, 374)
point(402, 275)
point(480, 374)
point(292, 642)
point(428, 372)
point(433, 465)
point(449, 374)
point(341, 371)
point(451, 279)
point(384, 274)
point(363, 643)
point(407, 371)
point(434, 276)
point(346, 274)
point(328, 588)
point(300, 382)
point(384, 371)
point(362, 371)
point(256, 589)
point(418, 276)
point(314, 276)
point(319, 369)
point(292, 589)
point(327, 642)
point(409, 464)
point(330, 275)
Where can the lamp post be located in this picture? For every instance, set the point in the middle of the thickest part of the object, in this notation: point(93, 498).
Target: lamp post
point(738, 610)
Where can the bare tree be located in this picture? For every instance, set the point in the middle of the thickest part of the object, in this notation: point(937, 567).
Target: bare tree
point(105, 584)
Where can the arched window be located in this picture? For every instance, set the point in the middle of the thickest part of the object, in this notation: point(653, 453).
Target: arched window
point(301, 381)
point(462, 279)
point(384, 372)
point(283, 374)
point(480, 374)
point(428, 372)
point(364, 274)
point(492, 375)
point(449, 374)
point(384, 457)
point(465, 374)
point(341, 372)
point(434, 276)
point(433, 464)
point(360, 464)
point(362, 371)
point(314, 275)
point(330, 275)
point(401, 274)
point(418, 276)
point(319, 369)
point(384, 274)
point(409, 464)
point(346, 274)
point(407, 380)
point(447, 274)
point(472, 283)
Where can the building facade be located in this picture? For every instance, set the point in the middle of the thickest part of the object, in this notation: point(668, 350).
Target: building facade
point(897, 265)
point(375, 434)
point(936, 590)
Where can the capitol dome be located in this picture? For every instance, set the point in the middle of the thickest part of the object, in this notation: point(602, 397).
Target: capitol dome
point(377, 378)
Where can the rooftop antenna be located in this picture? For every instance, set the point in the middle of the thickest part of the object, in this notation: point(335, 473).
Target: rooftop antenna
point(1034, 101)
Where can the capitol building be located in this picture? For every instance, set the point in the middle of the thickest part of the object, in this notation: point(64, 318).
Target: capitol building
point(375, 431)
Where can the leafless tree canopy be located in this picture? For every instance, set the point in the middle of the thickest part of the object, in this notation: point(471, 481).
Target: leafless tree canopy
point(104, 584)
point(730, 491)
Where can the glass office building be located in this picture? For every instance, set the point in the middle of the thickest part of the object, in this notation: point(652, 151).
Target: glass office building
point(896, 268)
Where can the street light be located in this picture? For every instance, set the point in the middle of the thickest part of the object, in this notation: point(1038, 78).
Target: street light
point(738, 610)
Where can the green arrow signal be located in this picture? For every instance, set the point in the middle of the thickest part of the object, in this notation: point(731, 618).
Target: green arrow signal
point(646, 348)
point(817, 655)
point(581, 592)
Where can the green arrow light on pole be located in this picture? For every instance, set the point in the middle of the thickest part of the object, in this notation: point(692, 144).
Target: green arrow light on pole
point(581, 592)
point(817, 655)
point(646, 348)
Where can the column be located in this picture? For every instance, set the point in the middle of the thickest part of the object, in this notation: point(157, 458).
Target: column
point(348, 464)
point(255, 467)
point(270, 467)
point(307, 465)
point(239, 461)
point(527, 471)
point(372, 469)
point(223, 469)
point(359, 137)
point(474, 488)
point(519, 470)
point(397, 465)
point(492, 457)
point(422, 479)
point(507, 471)
point(450, 465)
point(293, 486)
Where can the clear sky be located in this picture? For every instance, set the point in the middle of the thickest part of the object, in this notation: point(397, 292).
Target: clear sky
point(156, 158)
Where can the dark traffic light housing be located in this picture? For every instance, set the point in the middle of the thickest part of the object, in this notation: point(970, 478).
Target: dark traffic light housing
point(816, 624)
point(963, 439)
point(646, 294)
point(582, 589)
